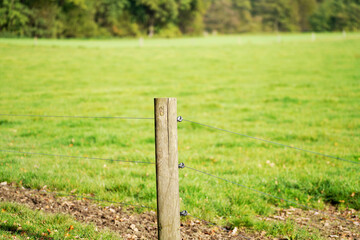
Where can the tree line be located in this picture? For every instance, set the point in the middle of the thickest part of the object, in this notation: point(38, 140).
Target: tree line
point(172, 18)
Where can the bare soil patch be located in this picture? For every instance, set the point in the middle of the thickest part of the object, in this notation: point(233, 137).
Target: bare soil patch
point(123, 220)
point(345, 226)
point(130, 225)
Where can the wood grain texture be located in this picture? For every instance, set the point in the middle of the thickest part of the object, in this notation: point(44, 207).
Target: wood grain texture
point(167, 173)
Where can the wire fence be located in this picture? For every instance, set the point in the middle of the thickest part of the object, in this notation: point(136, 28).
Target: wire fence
point(181, 165)
point(80, 157)
point(270, 195)
point(68, 116)
point(272, 142)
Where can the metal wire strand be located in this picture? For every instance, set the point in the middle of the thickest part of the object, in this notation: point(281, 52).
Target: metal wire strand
point(272, 142)
point(213, 224)
point(59, 116)
point(270, 195)
point(68, 156)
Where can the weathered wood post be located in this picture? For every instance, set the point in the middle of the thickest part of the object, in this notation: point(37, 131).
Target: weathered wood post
point(167, 173)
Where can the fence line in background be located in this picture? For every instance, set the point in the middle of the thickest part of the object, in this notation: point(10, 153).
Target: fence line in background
point(68, 156)
point(272, 142)
point(59, 116)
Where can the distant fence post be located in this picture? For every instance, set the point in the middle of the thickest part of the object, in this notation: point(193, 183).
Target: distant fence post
point(167, 173)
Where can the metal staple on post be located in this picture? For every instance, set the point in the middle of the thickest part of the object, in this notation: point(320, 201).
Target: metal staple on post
point(181, 165)
point(183, 213)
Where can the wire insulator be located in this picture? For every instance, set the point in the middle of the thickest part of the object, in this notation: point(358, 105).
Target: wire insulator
point(179, 118)
point(181, 165)
point(183, 213)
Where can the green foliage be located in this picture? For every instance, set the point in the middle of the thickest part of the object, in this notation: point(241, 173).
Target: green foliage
point(306, 9)
point(169, 31)
point(14, 17)
point(165, 18)
point(337, 15)
point(79, 23)
point(44, 20)
point(190, 18)
point(277, 15)
point(222, 17)
point(154, 14)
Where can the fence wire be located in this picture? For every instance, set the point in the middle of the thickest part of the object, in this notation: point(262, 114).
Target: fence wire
point(59, 116)
point(80, 157)
point(272, 196)
point(272, 142)
point(144, 162)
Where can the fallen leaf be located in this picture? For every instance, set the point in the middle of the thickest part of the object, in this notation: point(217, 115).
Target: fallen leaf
point(133, 227)
point(234, 231)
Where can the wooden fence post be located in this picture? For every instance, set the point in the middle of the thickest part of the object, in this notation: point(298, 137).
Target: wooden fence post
point(167, 172)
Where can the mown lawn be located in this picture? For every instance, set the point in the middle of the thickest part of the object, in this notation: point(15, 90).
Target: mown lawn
point(298, 92)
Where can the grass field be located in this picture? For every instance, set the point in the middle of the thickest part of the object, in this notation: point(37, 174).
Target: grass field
point(297, 92)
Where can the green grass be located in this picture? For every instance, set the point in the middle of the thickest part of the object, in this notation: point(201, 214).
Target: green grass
point(19, 222)
point(288, 229)
point(296, 92)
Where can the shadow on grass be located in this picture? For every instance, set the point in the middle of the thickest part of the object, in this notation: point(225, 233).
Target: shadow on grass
point(14, 230)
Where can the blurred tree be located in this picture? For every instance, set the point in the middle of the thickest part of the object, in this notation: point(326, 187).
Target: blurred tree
point(190, 18)
point(112, 16)
point(154, 14)
point(14, 17)
point(108, 12)
point(306, 9)
point(277, 15)
point(77, 17)
point(43, 21)
point(171, 18)
point(337, 15)
point(243, 9)
point(228, 16)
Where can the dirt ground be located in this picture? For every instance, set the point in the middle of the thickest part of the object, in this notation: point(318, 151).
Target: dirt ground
point(130, 225)
point(345, 226)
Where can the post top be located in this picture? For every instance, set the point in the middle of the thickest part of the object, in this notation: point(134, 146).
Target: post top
point(165, 98)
